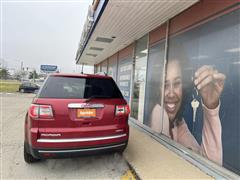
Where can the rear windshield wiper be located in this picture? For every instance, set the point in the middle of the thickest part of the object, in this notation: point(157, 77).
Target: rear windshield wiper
point(96, 96)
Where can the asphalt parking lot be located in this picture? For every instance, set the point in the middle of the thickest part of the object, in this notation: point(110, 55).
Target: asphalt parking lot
point(13, 110)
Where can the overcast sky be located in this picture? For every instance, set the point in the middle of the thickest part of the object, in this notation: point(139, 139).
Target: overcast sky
point(42, 32)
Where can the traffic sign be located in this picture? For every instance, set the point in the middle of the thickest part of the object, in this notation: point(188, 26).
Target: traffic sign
point(48, 68)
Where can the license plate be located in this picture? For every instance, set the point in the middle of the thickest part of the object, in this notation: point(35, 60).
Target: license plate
point(86, 113)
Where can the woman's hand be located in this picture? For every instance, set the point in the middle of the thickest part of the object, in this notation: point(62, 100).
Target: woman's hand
point(210, 84)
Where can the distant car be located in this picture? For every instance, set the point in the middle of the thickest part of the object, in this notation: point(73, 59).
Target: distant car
point(76, 115)
point(39, 82)
point(28, 87)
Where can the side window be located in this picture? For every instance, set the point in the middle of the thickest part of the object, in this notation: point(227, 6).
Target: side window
point(33, 85)
point(26, 84)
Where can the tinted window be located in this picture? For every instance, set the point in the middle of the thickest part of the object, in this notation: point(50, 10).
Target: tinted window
point(72, 87)
point(33, 85)
point(26, 84)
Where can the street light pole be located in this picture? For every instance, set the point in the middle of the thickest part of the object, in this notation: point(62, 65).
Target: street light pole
point(34, 72)
point(21, 65)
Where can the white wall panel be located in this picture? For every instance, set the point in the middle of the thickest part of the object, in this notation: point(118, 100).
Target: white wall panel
point(129, 21)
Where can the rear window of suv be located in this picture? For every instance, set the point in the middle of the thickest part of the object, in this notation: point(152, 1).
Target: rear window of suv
point(79, 88)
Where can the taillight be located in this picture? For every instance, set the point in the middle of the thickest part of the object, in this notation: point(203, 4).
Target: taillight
point(127, 109)
point(33, 110)
point(40, 111)
point(45, 111)
point(122, 110)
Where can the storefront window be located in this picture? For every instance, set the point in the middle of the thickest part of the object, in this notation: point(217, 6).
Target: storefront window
point(124, 77)
point(139, 78)
point(154, 85)
point(202, 86)
point(110, 71)
point(98, 68)
point(105, 66)
point(112, 68)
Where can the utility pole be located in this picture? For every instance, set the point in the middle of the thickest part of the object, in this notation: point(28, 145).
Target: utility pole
point(34, 72)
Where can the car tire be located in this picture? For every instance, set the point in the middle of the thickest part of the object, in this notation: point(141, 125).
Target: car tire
point(22, 90)
point(28, 158)
point(120, 151)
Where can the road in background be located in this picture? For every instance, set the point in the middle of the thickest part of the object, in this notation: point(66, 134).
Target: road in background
point(14, 107)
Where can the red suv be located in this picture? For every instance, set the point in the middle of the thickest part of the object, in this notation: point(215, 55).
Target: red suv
point(76, 115)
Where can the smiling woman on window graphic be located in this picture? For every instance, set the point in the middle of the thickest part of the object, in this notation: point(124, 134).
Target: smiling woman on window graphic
point(209, 83)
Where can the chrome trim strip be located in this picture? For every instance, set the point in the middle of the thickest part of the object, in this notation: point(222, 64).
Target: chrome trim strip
point(81, 150)
point(80, 139)
point(85, 105)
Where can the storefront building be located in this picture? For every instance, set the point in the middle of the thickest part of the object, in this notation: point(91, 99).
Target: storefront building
point(178, 66)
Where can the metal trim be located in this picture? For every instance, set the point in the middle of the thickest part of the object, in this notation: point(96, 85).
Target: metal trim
point(146, 76)
point(132, 74)
point(80, 139)
point(84, 105)
point(164, 69)
point(81, 150)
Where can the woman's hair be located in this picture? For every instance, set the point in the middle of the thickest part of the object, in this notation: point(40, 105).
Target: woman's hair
point(176, 53)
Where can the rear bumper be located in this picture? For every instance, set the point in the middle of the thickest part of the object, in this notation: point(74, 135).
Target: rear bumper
point(52, 153)
point(69, 138)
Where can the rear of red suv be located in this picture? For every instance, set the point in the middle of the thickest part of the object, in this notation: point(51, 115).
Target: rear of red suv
point(76, 115)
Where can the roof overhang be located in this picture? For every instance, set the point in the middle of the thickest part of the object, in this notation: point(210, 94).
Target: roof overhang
point(123, 22)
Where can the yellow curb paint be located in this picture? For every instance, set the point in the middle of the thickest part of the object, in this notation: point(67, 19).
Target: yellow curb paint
point(128, 176)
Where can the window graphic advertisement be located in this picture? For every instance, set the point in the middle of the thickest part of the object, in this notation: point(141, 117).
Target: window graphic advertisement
point(124, 77)
point(201, 93)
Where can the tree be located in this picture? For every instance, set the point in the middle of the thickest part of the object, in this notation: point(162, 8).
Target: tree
point(4, 73)
point(19, 75)
point(33, 75)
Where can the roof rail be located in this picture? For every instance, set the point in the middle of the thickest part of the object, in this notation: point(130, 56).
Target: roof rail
point(101, 73)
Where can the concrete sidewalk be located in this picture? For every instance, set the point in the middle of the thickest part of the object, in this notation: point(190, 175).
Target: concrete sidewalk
point(151, 160)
